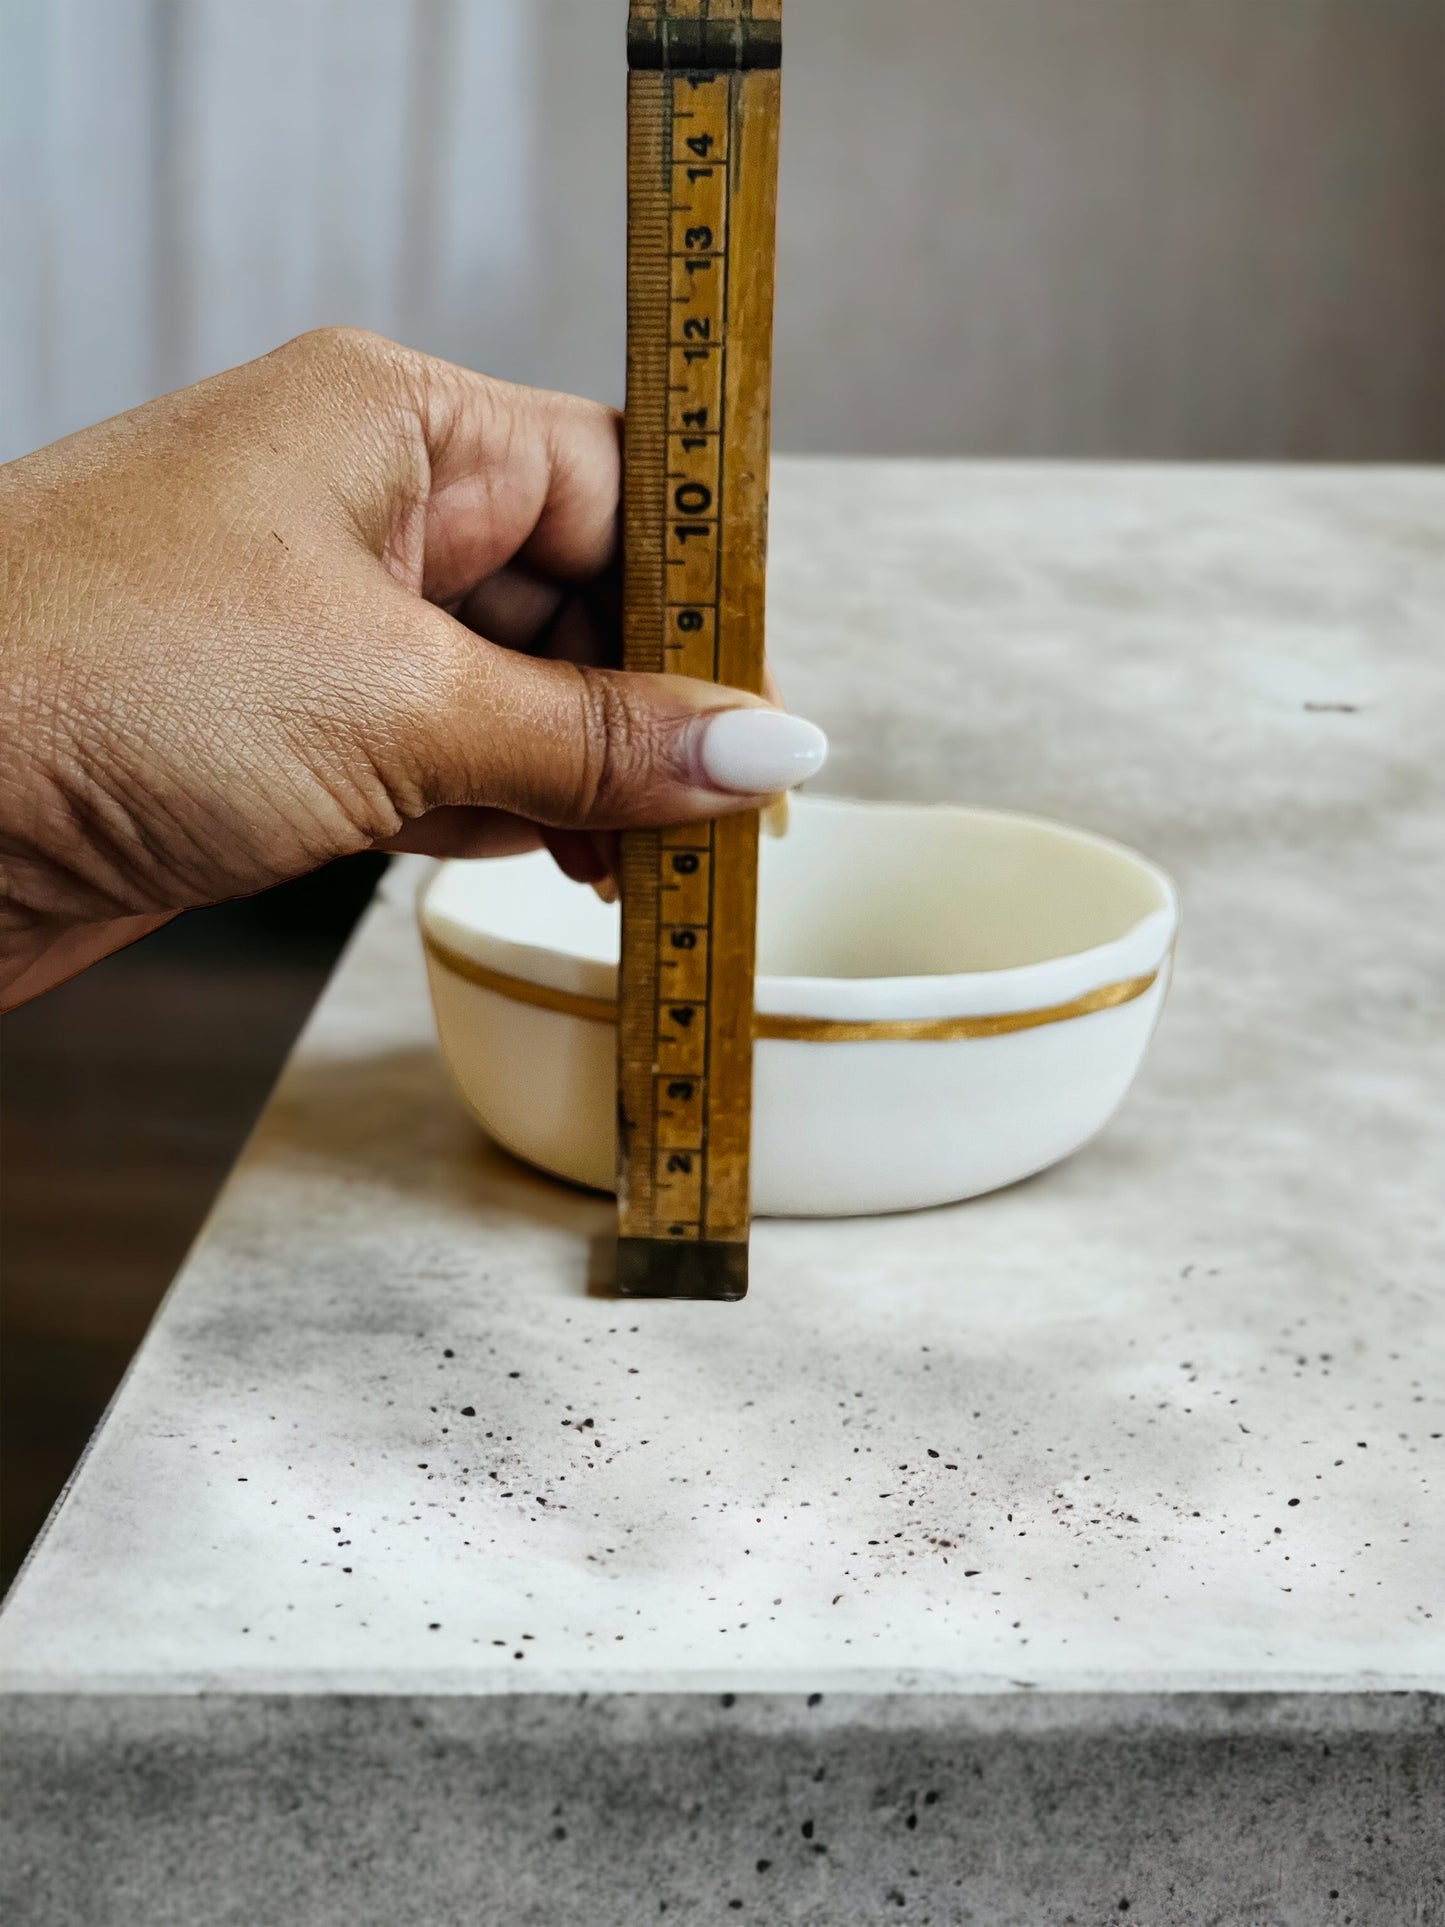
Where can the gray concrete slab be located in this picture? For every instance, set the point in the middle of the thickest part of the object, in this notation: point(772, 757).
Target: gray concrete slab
point(1152, 1443)
point(559, 1811)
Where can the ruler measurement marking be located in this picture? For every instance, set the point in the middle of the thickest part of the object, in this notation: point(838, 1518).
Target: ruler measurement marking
point(693, 521)
point(729, 184)
point(723, 339)
point(665, 1159)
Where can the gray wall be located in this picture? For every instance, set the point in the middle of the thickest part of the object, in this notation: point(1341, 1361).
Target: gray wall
point(1081, 227)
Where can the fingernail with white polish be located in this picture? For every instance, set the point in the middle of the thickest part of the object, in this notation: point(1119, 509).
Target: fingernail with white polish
point(756, 752)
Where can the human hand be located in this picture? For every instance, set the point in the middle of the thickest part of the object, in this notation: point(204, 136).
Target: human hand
point(344, 597)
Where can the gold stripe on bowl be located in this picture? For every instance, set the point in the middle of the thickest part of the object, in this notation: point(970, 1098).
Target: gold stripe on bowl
point(807, 1030)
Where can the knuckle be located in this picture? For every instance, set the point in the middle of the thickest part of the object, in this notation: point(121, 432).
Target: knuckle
point(617, 751)
point(347, 364)
point(342, 346)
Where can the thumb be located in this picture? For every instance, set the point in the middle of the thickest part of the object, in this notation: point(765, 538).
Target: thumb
point(601, 749)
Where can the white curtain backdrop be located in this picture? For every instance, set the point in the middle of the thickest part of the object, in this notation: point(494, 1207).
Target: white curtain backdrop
point(1077, 227)
point(185, 183)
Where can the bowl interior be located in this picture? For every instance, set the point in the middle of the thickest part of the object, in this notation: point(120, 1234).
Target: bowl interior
point(862, 890)
point(894, 891)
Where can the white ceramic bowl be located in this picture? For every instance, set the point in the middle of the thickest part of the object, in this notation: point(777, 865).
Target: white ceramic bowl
point(999, 978)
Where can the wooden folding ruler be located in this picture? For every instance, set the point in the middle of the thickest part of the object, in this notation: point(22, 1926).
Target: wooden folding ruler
point(702, 158)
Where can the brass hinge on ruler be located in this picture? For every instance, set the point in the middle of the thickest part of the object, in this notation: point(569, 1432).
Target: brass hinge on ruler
point(712, 45)
point(702, 126)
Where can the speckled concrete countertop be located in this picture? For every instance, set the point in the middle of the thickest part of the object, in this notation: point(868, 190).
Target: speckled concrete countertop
point(1164, 1422)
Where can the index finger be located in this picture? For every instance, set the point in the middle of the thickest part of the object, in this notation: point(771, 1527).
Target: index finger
point(515, 474)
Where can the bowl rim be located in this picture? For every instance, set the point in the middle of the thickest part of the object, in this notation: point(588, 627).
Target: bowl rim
point(1125, 962)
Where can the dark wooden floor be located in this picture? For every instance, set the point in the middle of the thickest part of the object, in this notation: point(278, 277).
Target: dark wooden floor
point(124, 1098)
